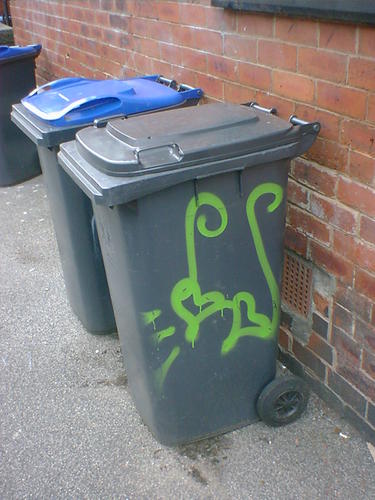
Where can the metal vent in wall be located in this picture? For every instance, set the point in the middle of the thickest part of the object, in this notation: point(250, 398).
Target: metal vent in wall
point(296, 286)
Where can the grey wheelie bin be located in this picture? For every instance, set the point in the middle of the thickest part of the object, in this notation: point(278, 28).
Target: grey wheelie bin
point(18, 155)
point(52, 114)
point(190, 209)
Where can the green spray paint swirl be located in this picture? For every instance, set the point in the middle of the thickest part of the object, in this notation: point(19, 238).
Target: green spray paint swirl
point(266, 328)
point(212, 302)
point(208, 303)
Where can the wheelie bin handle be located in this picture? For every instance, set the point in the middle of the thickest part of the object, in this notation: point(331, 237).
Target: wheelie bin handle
point(102, 122)
point(52, 85)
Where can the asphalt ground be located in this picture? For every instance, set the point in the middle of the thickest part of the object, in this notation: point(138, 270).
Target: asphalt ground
point(69, 428)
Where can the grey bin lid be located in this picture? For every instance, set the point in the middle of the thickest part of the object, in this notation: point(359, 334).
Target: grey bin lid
point(131, 158)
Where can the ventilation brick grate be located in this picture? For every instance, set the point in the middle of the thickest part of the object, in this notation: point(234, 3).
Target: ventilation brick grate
point(296, 285)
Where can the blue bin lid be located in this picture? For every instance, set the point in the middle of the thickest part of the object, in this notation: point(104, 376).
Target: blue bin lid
point(10, 54)
point(79, 101)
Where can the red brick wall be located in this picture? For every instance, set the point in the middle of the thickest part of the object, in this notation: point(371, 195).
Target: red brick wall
point(318, 70)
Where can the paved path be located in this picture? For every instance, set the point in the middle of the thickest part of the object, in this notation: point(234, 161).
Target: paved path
point(68, 426)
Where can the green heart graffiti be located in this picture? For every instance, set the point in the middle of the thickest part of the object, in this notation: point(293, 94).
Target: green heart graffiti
point(212, 302)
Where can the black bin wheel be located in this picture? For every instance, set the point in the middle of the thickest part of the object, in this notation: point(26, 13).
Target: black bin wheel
point(282, 401)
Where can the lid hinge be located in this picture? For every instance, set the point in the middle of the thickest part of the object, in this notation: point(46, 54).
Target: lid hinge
point(255, 105)
point(306, 126)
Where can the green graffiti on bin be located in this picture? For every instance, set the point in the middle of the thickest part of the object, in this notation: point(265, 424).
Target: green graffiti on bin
point(188, 289)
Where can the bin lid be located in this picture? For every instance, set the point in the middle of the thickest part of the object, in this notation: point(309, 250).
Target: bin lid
point(79, 101)
point(129, 158)
point(14, 53)
point(145, 145)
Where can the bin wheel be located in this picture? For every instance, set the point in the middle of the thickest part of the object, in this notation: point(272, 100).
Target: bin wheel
point(282, 401)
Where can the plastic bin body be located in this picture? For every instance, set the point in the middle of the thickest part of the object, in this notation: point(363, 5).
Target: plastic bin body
point(18, 155)
point(193, 250)
point(71, 209)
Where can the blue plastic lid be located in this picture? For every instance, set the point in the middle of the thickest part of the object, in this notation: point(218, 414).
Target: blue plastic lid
point(8, 54)
point(79, 101)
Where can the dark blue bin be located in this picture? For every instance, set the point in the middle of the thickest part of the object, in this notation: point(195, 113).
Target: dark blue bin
point(18, 155)
point(52, 114)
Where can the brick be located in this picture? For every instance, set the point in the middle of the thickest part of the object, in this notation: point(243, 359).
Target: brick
point(345, 245)
point(119, 22)
point(192, 15)
point(212, 41)
point(319, 178)
point(359, 136)
point(162, 68)
point(362, 167)
point(321, 348)
point(194, 59)
point(329, 154)
point(356, 195)
point(365, 335)
point(212, 86)
point(276, 54)
point(322, 64)
point(308, 224)
point(293, 86)
point(142, 63)
point(335, 36)
point(330, 123)
point(160, 31)
point(371, 108)
point(240, 47)
point(237, 93)
point(343, 389)
point(330, 211)
point(320, 326)
point(255, 24)
point(367, 229)
point(168, 11)
point(331, 262)
point(309, 359)
point(295, 240)
point(254, 76)
point(354, 302)
point(366, 44)
point(321, 304)
point(170, 53)
point(222, 67)
point(298, 31)
point(147, 47)
point(221, 19)
point(284, 107)
point(365, 284)
point(362, 73)
point(368, 363)
point(144, 8)
point(365, 256)
point(342, 100)
point(182, 35)
point(297, 194)
point(342, 318)
point(359, 379)
point(107, 5)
